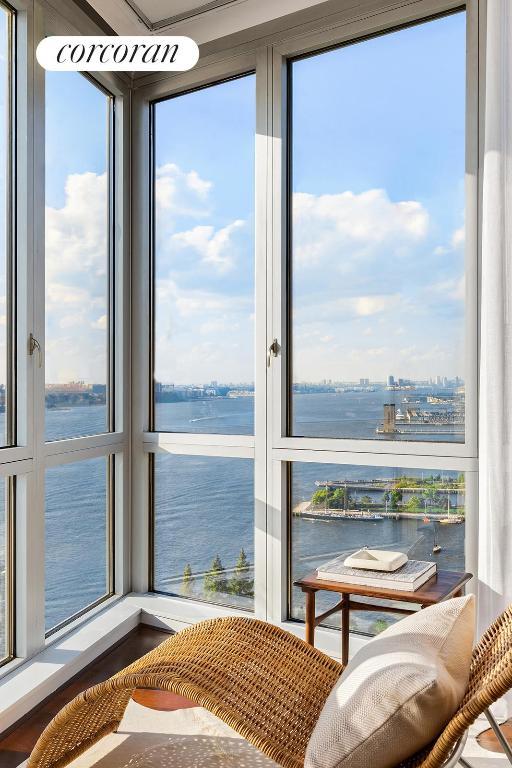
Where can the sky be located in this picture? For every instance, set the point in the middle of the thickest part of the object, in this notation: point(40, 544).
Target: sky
point(378, 218)
point(76, 221)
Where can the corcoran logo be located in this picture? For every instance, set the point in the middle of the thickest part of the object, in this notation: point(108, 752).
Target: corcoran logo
point(127, 54)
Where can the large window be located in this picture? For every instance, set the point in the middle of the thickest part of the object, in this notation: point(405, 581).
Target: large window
point(204, 529)
point(7, 327)
point(377, 237)
point(5, 573)
point(7, 268)
point(79, 344)
point(204, 260)
point(364, 318)
point(337, 509)
point(78, 255)
point(78, 555)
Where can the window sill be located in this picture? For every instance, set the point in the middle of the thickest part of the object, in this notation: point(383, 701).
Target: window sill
point(177, 613)
point(26, 683)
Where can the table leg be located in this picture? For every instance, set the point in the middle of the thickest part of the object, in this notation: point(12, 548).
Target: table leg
point(345, 628)
point(310, 617)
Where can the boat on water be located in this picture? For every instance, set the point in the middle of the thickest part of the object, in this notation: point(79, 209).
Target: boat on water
point(451, 519)
point(436, 548)
point(361, 516)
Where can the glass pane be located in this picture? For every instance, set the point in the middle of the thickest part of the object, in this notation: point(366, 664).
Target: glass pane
point(4, 564)
point(5, 223)
point(77, 561)
point(204, 528)
point(337, 509)
point(204, 260)
point(77, 256)
point(378, 237)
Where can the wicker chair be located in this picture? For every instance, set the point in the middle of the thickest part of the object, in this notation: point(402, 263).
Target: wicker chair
point(266, 684)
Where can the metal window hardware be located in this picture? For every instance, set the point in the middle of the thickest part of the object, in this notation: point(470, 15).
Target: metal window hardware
point(273, 351)
point(33, 344)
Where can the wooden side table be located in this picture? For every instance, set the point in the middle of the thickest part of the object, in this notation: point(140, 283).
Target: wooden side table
point(443, 585)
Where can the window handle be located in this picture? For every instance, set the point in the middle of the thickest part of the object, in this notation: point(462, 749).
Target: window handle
point(273, 351)
point(33, 344)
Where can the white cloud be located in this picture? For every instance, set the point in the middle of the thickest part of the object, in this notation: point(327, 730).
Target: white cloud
point(459, 237)
point(101, 323)
point(180, 192)
point(365, 306)
point(215, 247)
point(76, 281)
point(452, 288)
point(348, 226)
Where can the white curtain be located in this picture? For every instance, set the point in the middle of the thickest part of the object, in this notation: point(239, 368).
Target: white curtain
point(495, 421)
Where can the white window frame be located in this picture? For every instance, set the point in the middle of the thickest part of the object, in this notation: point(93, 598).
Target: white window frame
point(27, 461)
point(271, 448)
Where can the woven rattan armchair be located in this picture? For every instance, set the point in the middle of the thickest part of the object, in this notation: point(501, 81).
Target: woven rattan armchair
point(265, 683)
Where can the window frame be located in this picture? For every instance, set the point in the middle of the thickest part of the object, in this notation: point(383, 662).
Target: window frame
point(27, 460)
point(11, 401)
point(182, 443)
point(272, 449)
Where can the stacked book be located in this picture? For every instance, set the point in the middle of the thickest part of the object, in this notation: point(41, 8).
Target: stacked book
point(407, 578)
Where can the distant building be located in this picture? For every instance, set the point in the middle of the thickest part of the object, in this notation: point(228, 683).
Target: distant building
point(364, 382)
point(391, 381)
point(389, 418)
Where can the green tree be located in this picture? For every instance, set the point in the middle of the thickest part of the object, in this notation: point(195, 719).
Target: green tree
point(432, 496)
point(413, 504)
point(241, 582)
point(366, 501)
point(318, 498)
point(379, 626)
point(337, 500)
point(186, 587)
point(215, 580)
point(395, 497)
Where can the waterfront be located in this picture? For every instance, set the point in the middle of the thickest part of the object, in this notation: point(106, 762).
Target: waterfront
point(205, 506)
point(353, 414)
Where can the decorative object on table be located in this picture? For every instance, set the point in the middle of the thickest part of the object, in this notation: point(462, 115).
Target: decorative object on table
point(398, 692)
point(376, 560)
point(407, 578)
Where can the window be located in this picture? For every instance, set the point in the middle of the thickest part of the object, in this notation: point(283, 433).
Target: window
point(5, 573)
point(204, 260)
point(78, 538)
point(336, 509)
point(204, 528)
point(377, 237)
point(78, 256)
point(7, 278)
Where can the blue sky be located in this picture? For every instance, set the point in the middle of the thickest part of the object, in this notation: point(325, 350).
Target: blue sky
point(378, 214)
point(76, 229)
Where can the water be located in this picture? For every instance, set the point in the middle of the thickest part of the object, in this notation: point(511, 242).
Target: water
point(349, 414)
point(204, 507)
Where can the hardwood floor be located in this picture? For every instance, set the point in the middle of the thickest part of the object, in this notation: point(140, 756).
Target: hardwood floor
point(16, 745)
point(487, 739)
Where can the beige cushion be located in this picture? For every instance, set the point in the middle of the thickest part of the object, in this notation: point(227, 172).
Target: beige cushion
point(398, 692)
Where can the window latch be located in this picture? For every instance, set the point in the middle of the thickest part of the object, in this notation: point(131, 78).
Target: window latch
point(273, 351)
point(34, 345)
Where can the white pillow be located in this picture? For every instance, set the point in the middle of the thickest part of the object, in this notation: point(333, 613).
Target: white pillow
point(398, 692)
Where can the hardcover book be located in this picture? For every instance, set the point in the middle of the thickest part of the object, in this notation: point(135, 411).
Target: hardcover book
point(408, 578)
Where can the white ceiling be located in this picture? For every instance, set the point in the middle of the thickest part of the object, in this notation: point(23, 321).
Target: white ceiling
point(158, 13)
point(202, 20)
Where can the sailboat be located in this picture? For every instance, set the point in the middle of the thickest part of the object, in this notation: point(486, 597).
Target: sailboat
point(450, 519)
point(436, 547)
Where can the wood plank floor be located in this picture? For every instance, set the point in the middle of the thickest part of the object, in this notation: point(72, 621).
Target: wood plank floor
point(17, 744)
